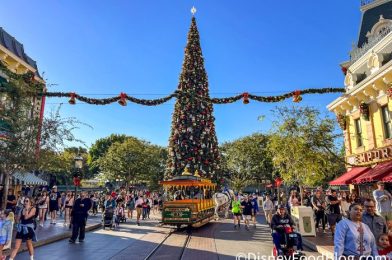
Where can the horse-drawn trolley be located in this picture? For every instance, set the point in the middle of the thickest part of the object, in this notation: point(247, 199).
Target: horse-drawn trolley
point(188, 201)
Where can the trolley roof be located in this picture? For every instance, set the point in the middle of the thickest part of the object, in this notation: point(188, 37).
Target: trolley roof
point(188, 181)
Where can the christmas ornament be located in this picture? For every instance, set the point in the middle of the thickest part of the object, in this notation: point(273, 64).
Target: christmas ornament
point(72, 99)
point(245, 97)
point(123, 99)
point(297, 96)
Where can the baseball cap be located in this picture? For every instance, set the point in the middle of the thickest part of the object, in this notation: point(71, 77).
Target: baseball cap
point(281, 206)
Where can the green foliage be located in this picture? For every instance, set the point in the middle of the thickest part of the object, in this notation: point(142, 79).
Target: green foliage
point(133, 161)
point(303, 146)
point(99, 149)
point(246, 161)
point(61, 164)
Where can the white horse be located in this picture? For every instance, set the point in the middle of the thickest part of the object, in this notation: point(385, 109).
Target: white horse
point(223, 199)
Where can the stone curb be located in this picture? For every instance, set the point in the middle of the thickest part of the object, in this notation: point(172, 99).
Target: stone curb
point(52, 239)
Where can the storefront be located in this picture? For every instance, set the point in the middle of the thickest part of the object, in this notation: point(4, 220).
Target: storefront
point(26, 182)
point(364, 111)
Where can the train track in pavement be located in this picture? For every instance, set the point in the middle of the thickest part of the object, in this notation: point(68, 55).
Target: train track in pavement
point(172, 246)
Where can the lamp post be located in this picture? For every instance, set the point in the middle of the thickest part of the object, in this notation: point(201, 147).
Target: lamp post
point(78, 166)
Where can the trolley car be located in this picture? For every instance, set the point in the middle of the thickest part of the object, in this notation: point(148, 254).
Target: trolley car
point(188, 200)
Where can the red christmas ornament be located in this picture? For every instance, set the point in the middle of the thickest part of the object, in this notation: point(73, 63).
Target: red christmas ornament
point(245, 98)
point(123, 99)
point(297, 96)
point(344, 70)
point(72, 99)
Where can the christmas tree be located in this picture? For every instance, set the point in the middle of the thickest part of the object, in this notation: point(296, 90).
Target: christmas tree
point(193, 143)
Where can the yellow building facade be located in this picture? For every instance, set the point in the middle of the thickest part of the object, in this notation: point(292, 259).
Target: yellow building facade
point(364, 110)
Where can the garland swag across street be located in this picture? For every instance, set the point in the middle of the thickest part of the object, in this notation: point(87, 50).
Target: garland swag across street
point(193, 145)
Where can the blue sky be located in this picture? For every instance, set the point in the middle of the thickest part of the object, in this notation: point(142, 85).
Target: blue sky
point(102, 48)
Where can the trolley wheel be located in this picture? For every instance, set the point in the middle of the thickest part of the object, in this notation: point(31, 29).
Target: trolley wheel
point(178, 226)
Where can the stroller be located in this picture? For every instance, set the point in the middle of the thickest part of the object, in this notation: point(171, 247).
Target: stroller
point(108, 218)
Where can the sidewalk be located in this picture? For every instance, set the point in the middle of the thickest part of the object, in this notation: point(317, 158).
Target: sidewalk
point(322, 243)
point(51, 233)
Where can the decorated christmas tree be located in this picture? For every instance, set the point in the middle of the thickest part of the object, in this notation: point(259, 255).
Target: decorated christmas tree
point(193, 146)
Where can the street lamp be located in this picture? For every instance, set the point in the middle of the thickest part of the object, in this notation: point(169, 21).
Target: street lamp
point(78, 166)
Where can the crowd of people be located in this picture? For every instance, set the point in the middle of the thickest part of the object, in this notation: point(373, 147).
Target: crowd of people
point(33, 212)
point(360, 226)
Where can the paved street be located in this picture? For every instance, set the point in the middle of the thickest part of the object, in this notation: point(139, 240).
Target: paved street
point(217, 240)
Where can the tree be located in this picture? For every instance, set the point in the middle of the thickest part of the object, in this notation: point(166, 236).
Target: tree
point(247, 160)
point(61, 164)
point(133, 160)
point(304, 146)
point(99, 148)
point(20, 128)
point(193, 141)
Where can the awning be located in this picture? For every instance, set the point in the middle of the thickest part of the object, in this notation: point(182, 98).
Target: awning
point(28, 178)
point(376, 174)
point(347, 177)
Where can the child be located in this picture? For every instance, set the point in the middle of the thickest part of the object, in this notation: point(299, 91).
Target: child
point(5, 231)
point(384, 248)
point(119, 213)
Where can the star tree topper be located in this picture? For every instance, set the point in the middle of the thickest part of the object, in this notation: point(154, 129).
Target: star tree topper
point(193, 10)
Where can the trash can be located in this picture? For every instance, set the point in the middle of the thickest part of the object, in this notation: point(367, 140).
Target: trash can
point(303, 218)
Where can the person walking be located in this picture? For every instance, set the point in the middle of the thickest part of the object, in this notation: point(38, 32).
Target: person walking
point(79, 217)
point(43, 207)
point(130, 205)
point(139, 207)
point(54, 204)
point(95, 201)
point(319, 210)
point(11, 200)
point(236, 209)
point(25, 229)
point(255, 205)
point(383, 201)
point(63, 197)
point(353, 238)
point(19, 206)
point(375, 222)
point(268, 207)
point(333, 210)
point(68, 204)
point(247, 211)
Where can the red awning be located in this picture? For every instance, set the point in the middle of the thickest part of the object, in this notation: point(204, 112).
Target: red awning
point(376, 174)
point(347, 177)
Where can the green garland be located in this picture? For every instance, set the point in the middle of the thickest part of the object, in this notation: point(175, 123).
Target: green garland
point(155, 102)
point(28, 77)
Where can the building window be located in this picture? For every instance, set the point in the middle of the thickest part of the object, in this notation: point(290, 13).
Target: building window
point(358, 132)
point(386, 119)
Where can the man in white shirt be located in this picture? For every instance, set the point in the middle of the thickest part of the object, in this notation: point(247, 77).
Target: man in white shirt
point(268, 207)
